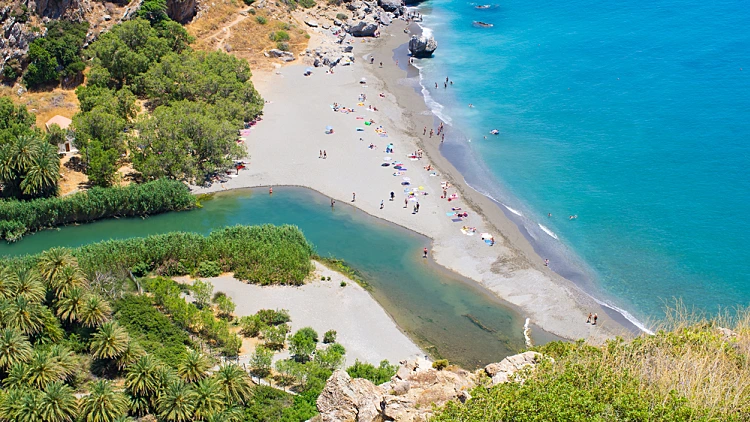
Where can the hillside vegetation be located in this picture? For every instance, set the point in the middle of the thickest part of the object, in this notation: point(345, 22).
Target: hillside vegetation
point(689, 371)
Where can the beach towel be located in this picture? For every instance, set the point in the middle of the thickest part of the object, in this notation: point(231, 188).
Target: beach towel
point(467, 232)
point(449, 214)
point(360, 118)
point(458, 220)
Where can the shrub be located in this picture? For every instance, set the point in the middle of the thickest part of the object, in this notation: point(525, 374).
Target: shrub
point(261, 20)
point(283, 25)
point(260, 362)
point(329, 336)
point(307, 4)
point(250, 2)
point(275, 336)
point(209, 269)
point(273, 317)
point(377, 375)
point(252, 11)
point(328, 278)
point(283, 46)
point(343, 283)
point(134, 200)
point(440, 364)
point(342, 17)
point(302, 344)
point(279, 36)
point(202, 291)
point(250, 326)
point(332, 357)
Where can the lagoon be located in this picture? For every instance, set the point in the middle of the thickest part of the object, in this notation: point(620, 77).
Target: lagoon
point(447, 315)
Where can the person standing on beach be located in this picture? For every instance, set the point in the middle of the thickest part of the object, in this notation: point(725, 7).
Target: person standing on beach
point(393, 196)
point(381, 204)
point(406, 202)
point(372, 60)
point(595, 318)
point(431, 132)
point(588, 320)
point(443, 139)
point(425, 131)
point(354, 196)
point(417, 206)
point(424, 253)
point(325, 155)
point(320, 153)
point(381, 64)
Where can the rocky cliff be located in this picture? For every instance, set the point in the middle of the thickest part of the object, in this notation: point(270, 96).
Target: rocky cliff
point(182, 11)
point(411, 393)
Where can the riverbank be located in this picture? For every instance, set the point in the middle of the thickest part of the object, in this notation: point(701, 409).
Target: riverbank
point(286, 147)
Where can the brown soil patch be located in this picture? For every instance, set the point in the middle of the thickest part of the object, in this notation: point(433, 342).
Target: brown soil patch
point(71, 181)
point(44, 104)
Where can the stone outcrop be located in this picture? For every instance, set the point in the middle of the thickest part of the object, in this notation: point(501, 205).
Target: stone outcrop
point(181, 11)
point(364, 28)
point(410, 394)
point(393, 6)
point(422, 46)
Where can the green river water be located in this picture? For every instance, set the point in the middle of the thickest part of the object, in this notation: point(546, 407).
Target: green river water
point(447, 315)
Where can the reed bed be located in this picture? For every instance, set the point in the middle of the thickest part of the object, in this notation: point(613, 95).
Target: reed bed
point(264, 254)
point(18, 218)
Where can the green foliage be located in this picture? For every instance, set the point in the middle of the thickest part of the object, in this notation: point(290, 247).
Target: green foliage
point(261, 20)
point(329, 336)
point(60, 48)
point(154, 11)
point(274, 336)
point(29, 166)
point(279, 36)
point(202, 291)
point(225, 306)
point(209, 269)
point(260, 362)
point(440, 364)
point(343, 283)
point(20, 217)
point(377, 375)
point(302, 344)
point(273, 317)
point(307, 4)
point(342, 16)
point(250, 326)
point(155, 332)
point(331, 357)
point(12, 70)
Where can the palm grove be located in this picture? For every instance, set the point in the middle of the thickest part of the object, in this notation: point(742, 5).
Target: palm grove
point(194, 103)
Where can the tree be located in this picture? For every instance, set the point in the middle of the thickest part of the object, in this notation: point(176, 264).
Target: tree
point(329, 337)
point(177, 402)
point(29, 166)
point(109, 341)
point(302, 344)
point(225, 305)
point(194, 366)
point(153, 10)
point(65, 280)
point(52, 261)
point(42, 65)
point(95, 311)
point(377, 375)
point(25, 282)
point(102, 164)
point(70, 305)
point(332, 357)
point(14, 348)
point(103, 404)
point(24, 315)
point(55, 135)
point(260, 362)
point(57, 403)
point(43, 173)
point(202, 291)
point(208, 399)
point(275, 335)
point(234, 383)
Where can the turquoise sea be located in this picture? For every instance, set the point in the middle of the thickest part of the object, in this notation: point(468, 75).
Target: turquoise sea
point(634, 116)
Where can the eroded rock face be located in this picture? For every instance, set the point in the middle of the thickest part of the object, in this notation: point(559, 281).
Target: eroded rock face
point(181, 11)
point(422, 46)
point(410, 394)
point(391, 5)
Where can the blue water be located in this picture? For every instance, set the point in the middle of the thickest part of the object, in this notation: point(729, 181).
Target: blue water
point(634, 116)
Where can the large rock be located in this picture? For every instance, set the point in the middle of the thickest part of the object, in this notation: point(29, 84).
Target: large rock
point(363, 29)
point(344, 399)
point(422, 46)
point(390, 5)
point(502, 371)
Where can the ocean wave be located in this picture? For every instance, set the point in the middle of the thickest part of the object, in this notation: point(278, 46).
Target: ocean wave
point(434, 106)
point(548, 231)
point(627, 315)
point(514, 211)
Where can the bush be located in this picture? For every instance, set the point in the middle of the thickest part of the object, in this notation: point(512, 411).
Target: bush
point(307, 4)
point(329, 336)
point(273, 317)
point(252, 11)
point(343, 283)
point(249, 2)
point(261, 20)
point(332, 357)
point(260, 362)
point(279, 36)
point(283, 25)
point(209, 269)
point(440, 364)
point(302, 344)
point(377, 375)
point(250, 326)
point(283, 46)
point(134, 200)
point(342, 17)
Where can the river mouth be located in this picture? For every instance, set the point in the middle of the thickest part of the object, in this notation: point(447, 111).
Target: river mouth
point(447, 315)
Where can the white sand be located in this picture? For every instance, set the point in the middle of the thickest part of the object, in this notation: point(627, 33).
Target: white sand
point(362, 326)
point(284, 150)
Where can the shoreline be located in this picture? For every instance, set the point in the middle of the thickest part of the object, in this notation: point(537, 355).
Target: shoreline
point(551, 302)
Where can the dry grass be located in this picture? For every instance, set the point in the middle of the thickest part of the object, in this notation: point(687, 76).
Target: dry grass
point(44, 104)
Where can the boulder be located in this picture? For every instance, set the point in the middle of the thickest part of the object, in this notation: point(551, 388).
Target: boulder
point(384, 18)
point(344, 399)
point(502, 371)
point(422, 46)
point(390, 5)
point(311, 23)
point(363, 29)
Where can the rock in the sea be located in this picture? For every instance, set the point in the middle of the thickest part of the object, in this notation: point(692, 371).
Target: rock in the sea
point(502, 371)
point(422, 46)
point(363, 29)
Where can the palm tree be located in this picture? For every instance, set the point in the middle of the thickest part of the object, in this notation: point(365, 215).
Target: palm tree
point(110, 341)
point(53, 260)
point(28, 409)
point(69, 306)
point(6, 283)
point(65, 358)
point(43, 369)
point(132, 353)
point(103, 404)
point(7, 164)
point(25, 315)
point(176, 403)
point(43, 173)
point(10, 405)
point(24, 148)
point(143, 377)
point(208, 399)
point(234, 383)
point(17, 377)
point(66, 279)
point(58, 404)
point(14, 348)
point(94, 312)
point(194, 366)
point(25, 282)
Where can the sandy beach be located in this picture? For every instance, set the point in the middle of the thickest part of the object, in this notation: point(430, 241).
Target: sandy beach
point(326, 305)
point(285, 149)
